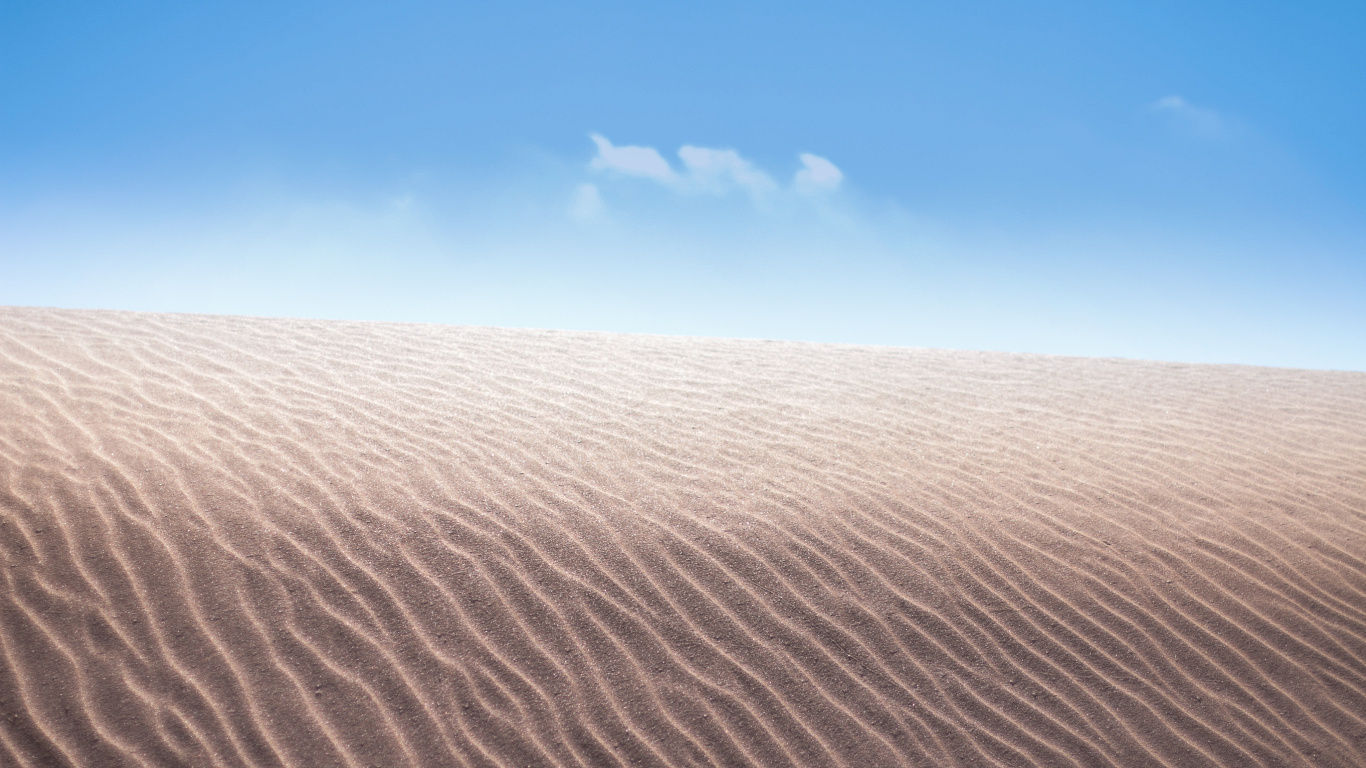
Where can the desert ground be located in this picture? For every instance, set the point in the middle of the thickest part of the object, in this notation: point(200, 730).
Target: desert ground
point(230, 541)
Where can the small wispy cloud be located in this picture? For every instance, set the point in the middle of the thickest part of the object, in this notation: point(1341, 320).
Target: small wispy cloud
point(586, 203)
point(817, 175)
point(709, 170)
point(632, 161)
point(718, 170)
point(1198, 120)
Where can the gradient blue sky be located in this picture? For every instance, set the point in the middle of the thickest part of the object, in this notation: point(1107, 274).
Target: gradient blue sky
point(1161, 180)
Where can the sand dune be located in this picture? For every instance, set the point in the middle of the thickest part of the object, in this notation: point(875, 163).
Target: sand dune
point(246, 542)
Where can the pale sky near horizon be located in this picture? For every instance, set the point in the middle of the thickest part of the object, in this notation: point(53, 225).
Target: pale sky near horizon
point(1165, 180)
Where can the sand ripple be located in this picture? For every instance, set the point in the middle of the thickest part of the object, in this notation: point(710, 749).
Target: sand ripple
point(242, 542)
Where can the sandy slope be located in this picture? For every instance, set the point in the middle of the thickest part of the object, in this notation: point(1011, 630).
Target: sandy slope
point(236, 542)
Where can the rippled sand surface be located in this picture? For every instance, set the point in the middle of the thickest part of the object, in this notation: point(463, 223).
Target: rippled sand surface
point(249, 542)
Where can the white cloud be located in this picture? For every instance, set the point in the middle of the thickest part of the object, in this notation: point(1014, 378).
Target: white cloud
point(715, 170)
point(704, 170)
point(1199, 120)
point(586, 203)
point(817, 174)
point(632, 161)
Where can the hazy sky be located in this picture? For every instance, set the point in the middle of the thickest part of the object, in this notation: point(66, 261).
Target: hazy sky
point(1180, 181)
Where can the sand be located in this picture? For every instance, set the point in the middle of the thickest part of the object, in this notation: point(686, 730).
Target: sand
point(249, 542)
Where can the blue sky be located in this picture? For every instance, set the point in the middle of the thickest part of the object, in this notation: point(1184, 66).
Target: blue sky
point(1163, 180)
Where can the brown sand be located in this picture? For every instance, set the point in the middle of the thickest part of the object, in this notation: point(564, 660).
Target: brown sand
point(245, 542)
